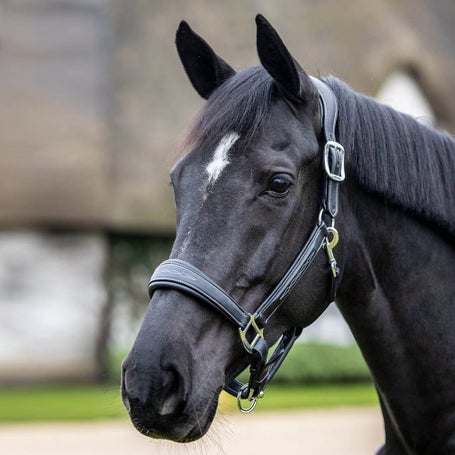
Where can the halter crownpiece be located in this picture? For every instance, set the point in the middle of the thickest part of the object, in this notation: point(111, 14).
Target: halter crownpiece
point(184, 277)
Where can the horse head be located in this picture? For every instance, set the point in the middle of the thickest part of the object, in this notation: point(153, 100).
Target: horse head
point(248, 194)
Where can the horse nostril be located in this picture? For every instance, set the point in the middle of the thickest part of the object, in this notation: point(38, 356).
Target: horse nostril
point(173, 400)
point(151, 392)
point(124, 391)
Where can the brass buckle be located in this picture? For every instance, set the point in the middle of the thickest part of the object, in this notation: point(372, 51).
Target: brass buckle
point(259, 333)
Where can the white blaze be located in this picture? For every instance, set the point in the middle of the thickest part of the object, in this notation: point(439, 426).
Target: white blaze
point(214, 168)
point(220, 157)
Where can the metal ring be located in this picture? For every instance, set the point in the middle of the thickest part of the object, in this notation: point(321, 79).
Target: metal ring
point(326, 212)
point(252, 399)
point(331, 147)
point(247, 410)
point(335, 237)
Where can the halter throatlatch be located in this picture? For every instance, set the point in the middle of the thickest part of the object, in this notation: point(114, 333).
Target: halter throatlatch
point(182, 276)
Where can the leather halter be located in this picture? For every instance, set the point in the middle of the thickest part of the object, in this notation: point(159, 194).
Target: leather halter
point(182, 276)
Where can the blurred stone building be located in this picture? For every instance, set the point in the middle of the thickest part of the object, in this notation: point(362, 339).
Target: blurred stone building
point(93, 103)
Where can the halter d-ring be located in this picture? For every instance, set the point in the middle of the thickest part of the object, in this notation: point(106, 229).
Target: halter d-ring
point(252, 399)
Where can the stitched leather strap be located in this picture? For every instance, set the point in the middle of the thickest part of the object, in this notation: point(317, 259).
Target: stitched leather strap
point(333, 152)
point(328, 108)
point(182, 276)
point(259, 378)
point(293, 275)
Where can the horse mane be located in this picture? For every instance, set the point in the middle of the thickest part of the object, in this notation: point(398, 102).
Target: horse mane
point(409, 164)
point(393, 156)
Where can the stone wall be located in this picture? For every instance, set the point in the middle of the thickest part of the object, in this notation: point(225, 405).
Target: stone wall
point(52, 298)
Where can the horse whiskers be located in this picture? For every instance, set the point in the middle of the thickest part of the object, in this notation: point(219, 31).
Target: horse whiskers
point(142, 428)
point(220, 431)
point(211, 443)
point(196, 414)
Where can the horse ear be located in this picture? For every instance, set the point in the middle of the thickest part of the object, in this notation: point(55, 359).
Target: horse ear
point(204, 68)
point(292, 81)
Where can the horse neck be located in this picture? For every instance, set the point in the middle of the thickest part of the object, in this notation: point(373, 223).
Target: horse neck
point(397, 295)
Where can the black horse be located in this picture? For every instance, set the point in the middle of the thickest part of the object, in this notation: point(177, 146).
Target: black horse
point(257, 194)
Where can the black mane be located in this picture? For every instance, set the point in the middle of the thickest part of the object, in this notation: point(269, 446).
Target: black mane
point(409, 164)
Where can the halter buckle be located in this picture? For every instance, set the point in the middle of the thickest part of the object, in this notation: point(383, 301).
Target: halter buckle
point(335, 151)
point(259, 333)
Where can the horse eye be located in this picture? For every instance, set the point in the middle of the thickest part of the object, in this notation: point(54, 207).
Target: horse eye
point(279, 185)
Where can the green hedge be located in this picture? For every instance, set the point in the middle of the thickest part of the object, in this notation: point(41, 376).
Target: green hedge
point(307, 363)
point(314, 363)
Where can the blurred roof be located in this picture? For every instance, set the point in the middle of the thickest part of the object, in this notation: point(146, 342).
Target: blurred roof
point(93, 100)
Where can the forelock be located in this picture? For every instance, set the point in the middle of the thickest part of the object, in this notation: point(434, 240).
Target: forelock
point(240, 104)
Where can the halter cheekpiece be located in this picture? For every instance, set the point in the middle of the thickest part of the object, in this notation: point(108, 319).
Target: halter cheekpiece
point(182, 276)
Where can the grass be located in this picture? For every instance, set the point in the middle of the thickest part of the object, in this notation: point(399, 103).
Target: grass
point(307, 363)
point(59, 404)
point(309, 396)
point(97, 402)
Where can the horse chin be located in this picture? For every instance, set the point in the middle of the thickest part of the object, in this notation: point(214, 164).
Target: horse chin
point(190, 426)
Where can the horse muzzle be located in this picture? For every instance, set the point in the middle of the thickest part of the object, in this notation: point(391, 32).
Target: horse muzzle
point(162, 377)
point(162, 408)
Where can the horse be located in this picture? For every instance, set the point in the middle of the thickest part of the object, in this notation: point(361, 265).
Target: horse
point(293, 190)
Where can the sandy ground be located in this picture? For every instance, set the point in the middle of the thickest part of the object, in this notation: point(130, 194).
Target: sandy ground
point(353, 431)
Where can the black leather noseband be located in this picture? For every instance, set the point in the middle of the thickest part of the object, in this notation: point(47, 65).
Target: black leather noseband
point(181, 276)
